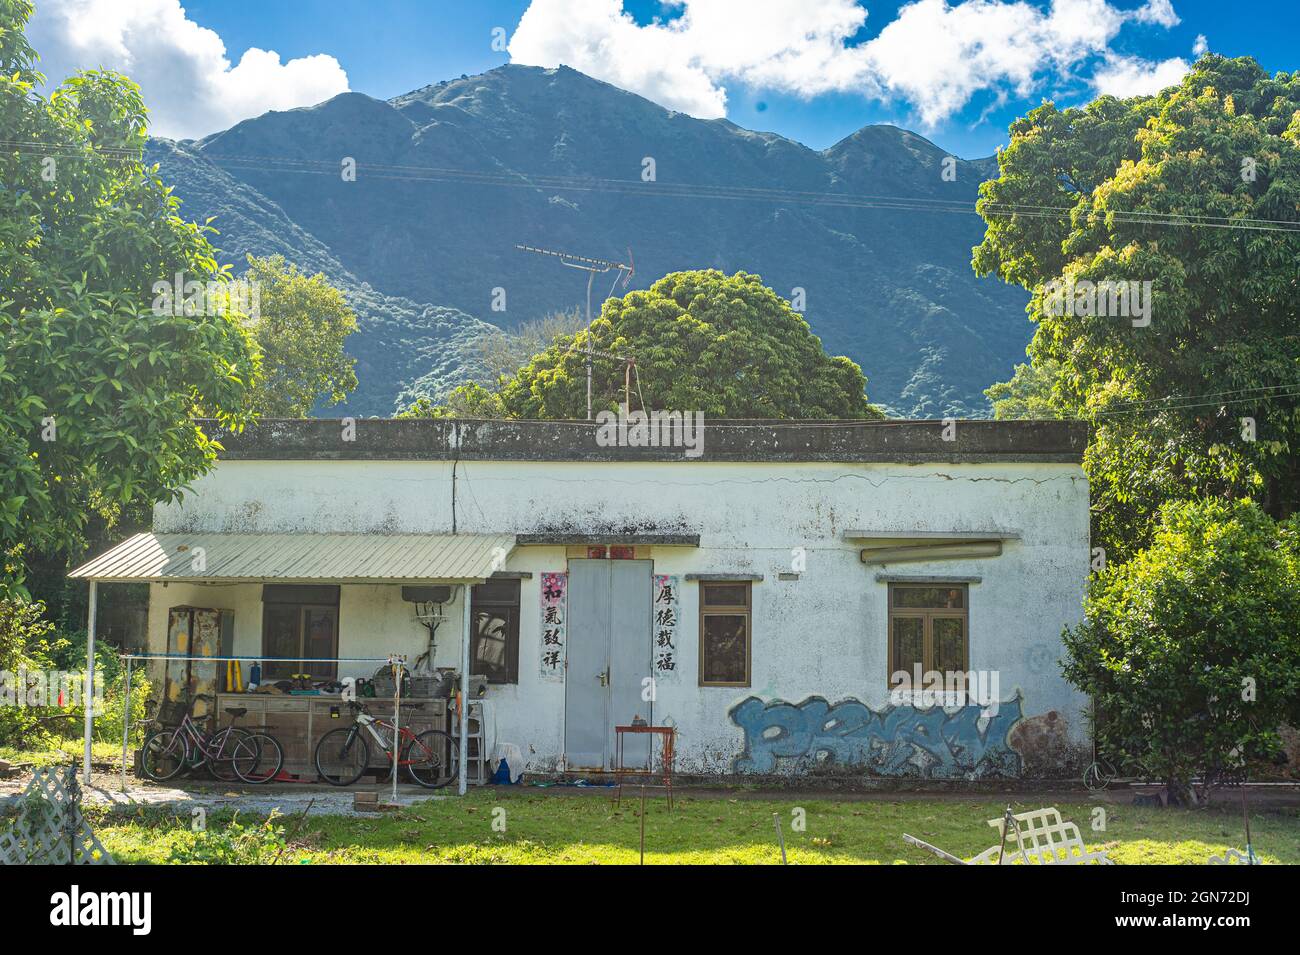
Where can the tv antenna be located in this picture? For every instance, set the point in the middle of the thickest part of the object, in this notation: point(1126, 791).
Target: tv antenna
point(592, 267)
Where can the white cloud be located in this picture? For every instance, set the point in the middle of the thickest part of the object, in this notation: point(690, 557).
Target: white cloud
point(1132, 76)
point(189, 84)
point(1201, 45)
point(1159, 12)
point(935, 54)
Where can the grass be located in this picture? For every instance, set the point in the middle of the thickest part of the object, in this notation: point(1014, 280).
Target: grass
point(61, 752)
point(560, 829)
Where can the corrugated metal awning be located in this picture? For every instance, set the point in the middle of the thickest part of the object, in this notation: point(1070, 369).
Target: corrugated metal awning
point(355, 558)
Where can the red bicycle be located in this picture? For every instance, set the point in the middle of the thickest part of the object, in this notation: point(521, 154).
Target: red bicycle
point(432, 758)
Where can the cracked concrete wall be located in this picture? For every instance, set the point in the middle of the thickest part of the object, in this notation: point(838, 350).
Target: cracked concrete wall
point(821, 635)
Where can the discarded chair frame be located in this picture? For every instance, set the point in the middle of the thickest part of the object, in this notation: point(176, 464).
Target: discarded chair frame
point(1042, 838)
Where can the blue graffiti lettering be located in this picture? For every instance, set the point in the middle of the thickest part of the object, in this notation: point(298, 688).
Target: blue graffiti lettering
point(895, 741)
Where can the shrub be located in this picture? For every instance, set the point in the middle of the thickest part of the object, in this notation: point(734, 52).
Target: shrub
point(70, 654)
point(25, 642)
point(232, 844)
point(1191, 649)
point(28, 640)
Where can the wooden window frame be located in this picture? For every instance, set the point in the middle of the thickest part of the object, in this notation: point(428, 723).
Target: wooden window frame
point(511, 603)
point(928, 615)
point(301, 609)
point(745, 610)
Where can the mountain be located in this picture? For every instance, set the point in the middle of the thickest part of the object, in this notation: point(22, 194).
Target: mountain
point(451, 177)
point(403, 349)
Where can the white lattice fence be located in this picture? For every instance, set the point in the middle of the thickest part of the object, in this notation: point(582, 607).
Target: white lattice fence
point(50, 829)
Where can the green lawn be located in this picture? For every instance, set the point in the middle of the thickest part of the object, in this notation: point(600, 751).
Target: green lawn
point(571, 829)
point(62, 752)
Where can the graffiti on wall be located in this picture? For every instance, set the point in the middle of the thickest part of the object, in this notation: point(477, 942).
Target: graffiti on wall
point(898, 740)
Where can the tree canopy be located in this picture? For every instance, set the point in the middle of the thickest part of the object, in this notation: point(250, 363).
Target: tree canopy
point(725, 345)
point(300, 327)
point(1195, 190)
point(99, 388)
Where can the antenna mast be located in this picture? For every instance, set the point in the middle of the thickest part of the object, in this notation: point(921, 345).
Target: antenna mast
point(591, 267)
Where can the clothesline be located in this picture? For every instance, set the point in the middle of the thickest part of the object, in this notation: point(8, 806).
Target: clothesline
point(182, 656)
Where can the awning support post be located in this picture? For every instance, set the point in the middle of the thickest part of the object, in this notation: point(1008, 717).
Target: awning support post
point(464, 688)
point(88, 698)
point(126, 719)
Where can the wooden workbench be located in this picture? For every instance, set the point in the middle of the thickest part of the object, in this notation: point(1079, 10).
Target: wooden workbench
point(299, 721)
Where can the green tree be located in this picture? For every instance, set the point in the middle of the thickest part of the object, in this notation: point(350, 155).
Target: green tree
point(1191, 649)
point(1136, 191)
point(99, 390)
point(1028, 394)
point(470, 400)
point(503, 353)
point(702, 341)
point(301, 328)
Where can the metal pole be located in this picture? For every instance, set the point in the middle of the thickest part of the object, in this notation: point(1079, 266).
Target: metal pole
point(398, 672)
point(89, 695)
point(126, 719)
point(464, 689)
point(591, 267)
point(1245, 814)
point(590, 278)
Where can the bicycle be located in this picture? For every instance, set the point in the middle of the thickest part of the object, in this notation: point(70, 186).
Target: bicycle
point(230, 753)
point(1101, 773)
point(343, 755)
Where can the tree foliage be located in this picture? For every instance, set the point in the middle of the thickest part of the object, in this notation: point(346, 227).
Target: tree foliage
point(98, 393)
point(301, 328)
point(1111, 192)
point(702, 341)
point(503, 352)
point(1028, 394)
point(26, 643)
point(1191, 649)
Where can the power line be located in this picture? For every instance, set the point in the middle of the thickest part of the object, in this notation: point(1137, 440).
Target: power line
point(1213, 394)
point(406, 173)
point(1189, 406)
point(906, 422)
point(837, 200)
point(983, 206)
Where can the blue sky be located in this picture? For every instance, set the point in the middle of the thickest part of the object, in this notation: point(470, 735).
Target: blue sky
point(957, 72)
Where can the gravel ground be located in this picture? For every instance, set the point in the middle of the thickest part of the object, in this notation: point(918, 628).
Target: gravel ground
point(328, 800)
point(106, 788)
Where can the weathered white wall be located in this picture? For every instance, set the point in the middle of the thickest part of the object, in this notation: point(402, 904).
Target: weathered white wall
point(822, 635)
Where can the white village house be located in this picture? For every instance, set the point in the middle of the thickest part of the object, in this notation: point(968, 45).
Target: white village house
point(755, 595)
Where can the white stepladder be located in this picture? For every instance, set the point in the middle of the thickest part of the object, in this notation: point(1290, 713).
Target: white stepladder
point(1041, 836)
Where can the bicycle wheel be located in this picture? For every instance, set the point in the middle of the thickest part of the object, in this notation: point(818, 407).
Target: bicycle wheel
point(258, 758)
point(433, 759)
point(220, 752)
point(342, 755)
point(164, 754)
